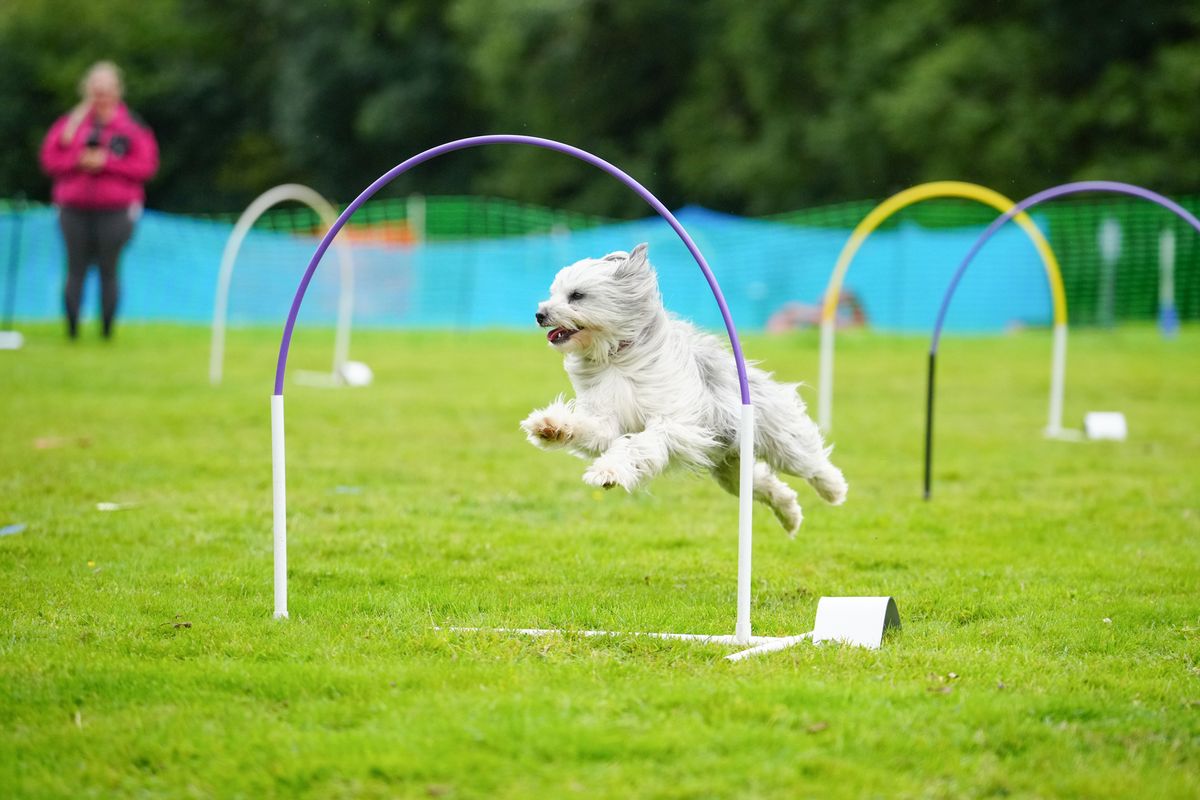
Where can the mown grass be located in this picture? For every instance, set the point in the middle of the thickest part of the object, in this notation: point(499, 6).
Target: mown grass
point(1051, 639)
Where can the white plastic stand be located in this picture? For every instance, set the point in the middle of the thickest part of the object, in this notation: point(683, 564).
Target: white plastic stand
point(350, 373)
point(356, 373)
point(1105, 425)
point(857, 621)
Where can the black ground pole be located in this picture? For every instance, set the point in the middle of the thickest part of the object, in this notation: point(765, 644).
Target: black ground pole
point(929, 426)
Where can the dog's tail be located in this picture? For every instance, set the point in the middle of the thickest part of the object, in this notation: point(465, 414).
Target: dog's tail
point(830, 484)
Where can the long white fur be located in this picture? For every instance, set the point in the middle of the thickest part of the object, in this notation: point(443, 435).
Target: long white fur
point(652, 391)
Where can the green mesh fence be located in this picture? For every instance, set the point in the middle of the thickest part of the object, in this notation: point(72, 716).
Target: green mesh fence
point(1100, 290)
point(441, 218)
point(1104, 292)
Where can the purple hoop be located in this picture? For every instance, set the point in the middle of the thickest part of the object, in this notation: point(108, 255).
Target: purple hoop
point(548, 144)
point(1049, 194)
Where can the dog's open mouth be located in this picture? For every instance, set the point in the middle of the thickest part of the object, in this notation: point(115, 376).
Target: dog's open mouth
point(560, 335)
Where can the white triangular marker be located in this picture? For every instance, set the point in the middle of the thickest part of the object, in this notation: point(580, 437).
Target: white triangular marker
point(855, 620)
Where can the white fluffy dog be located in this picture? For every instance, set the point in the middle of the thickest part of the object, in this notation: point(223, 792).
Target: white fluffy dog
point(651, 391)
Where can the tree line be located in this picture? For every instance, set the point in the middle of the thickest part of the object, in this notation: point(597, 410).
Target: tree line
point(746, 107)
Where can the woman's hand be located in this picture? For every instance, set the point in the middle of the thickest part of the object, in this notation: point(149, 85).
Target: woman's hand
point(92, 159)
point(73, 121)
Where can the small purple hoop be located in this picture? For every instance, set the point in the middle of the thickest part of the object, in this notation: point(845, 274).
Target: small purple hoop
point(1078, 187)
point(548, 144)
point(1049, 194)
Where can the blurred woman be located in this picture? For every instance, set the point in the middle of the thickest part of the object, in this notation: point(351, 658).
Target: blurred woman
point(98, 157)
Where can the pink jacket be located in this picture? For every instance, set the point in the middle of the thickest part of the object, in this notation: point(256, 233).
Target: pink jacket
point(132, 160)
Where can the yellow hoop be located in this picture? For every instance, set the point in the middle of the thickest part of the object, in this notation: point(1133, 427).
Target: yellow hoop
point(929, 191)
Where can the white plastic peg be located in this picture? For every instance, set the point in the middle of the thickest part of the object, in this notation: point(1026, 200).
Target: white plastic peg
point(858, 621)
point(1105, 425)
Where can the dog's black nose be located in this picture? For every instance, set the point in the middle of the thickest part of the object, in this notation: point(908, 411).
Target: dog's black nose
point(540, 317)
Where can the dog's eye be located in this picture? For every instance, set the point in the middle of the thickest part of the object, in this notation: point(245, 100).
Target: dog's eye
point(574, 296)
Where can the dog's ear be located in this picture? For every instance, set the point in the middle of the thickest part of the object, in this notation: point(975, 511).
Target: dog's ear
point(636, 262)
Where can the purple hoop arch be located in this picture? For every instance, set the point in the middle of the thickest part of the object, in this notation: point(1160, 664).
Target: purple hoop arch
point(746, 433)
point(534, 141)
point(1078, 187)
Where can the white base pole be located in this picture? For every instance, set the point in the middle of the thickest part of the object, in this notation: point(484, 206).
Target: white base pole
point(320, 380)
point(745, 524)
point(341, 339)
point(773, 645)
point(279, 505)
point(1058, 369)
point(858, 621)
point(825, 377)
point(757, 644)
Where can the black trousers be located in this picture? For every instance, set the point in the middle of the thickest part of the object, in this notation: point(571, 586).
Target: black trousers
point(93, 237)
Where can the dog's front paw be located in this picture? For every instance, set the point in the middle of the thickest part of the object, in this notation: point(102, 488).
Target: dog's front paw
point(608, 474)
point(547, 429)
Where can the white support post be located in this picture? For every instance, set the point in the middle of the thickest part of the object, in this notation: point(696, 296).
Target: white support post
point(279, 497)
point(1168, 317)
point(1109, 241)
point(415, 213)
point(745, 528)
point(341, 340)
point(216, 358)
point(1058, 369)
point(825, 377)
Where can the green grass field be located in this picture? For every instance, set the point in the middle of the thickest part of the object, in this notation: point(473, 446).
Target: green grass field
point(1049, 592)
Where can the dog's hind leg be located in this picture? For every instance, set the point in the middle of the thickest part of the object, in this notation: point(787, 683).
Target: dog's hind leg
point(798, 450)
point(768, 489)
point(829, 483)
point(787, 439)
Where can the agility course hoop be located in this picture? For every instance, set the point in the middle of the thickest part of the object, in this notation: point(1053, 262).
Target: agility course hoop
point(741, 635)
point(272, 197)
point(879, 215)
point(1078, 187)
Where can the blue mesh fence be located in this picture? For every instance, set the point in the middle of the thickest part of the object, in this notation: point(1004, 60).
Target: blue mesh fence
point(487, 264)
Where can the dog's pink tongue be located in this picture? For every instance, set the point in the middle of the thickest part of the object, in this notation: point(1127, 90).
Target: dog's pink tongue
point(556, 334)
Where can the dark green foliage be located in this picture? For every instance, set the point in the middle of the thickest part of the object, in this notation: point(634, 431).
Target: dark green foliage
point(746, 107)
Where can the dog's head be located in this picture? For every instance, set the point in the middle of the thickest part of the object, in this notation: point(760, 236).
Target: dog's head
point(598, 303)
